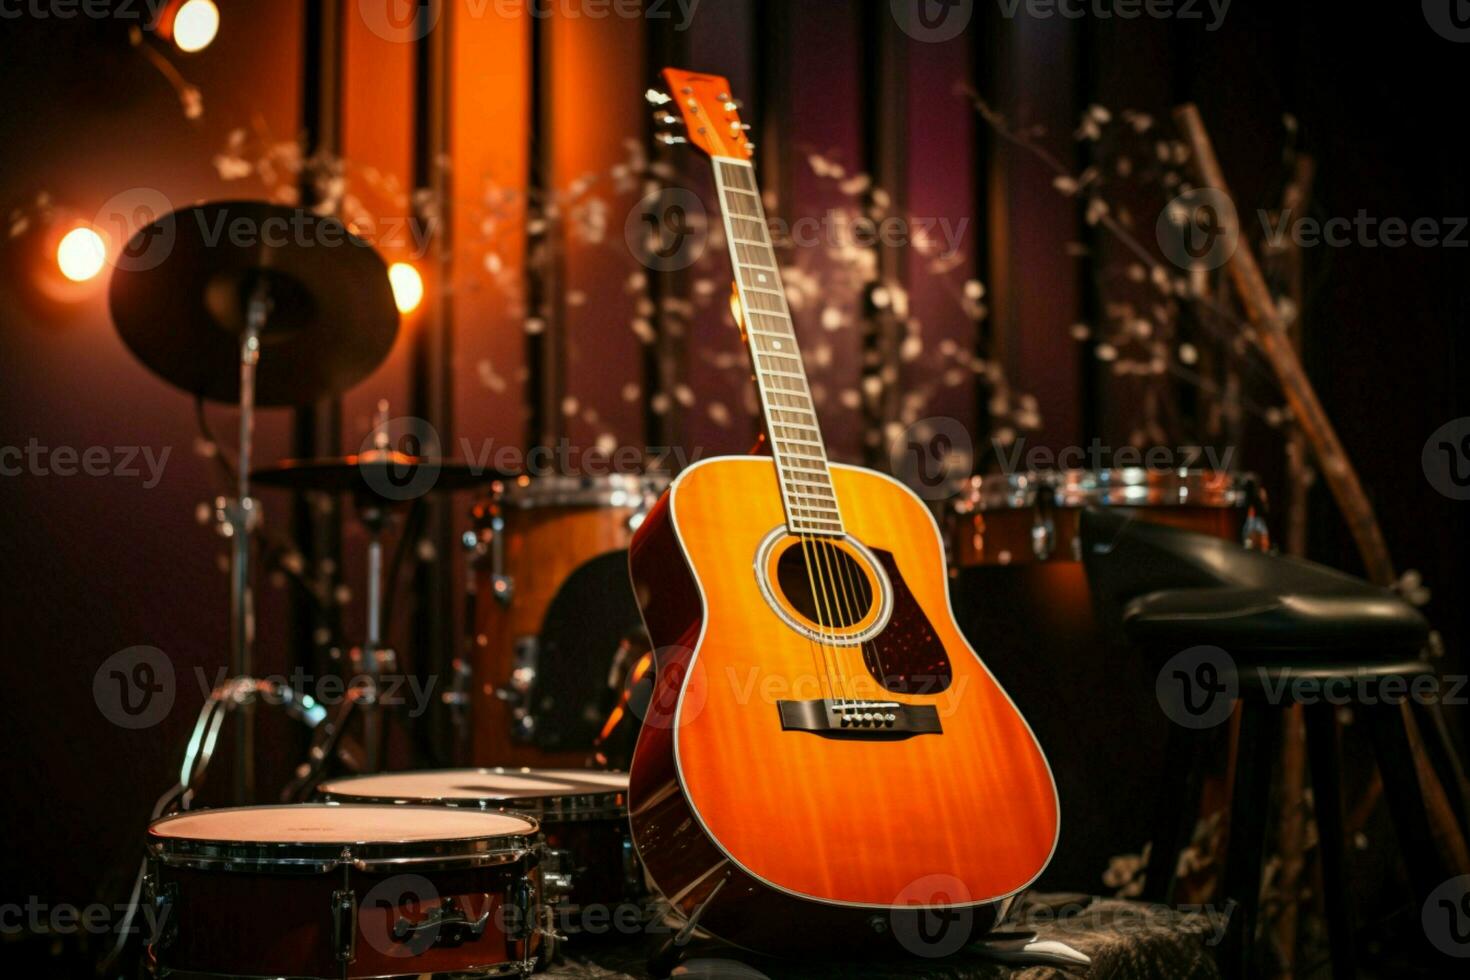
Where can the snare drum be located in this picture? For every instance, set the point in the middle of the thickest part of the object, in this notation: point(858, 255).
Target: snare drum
point(553, 608)
point(318, 891)
point(1022, 598)
point(582, 812)
point(1033, 517)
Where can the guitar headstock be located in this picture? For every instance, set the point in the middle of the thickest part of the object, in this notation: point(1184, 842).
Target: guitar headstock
point(699, 109)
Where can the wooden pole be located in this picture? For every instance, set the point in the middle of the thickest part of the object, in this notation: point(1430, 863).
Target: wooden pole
point(1292, 838)
point(1271, 337)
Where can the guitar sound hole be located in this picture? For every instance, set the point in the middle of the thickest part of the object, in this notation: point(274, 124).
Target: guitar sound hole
point(824, 584)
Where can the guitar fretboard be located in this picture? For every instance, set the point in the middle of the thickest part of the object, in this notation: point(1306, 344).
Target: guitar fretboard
point(791, 417)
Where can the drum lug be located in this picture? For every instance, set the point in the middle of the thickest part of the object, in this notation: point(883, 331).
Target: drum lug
point(344, 925)
point(1043, 538)
point(523, 899)
point(516, 692)
point(502, 585)
point(164, 898)
point(557, 876)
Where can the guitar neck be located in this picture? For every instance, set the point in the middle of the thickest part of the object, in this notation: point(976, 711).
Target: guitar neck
point(786, 398)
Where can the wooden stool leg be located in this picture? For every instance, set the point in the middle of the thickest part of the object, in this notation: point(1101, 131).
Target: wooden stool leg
point(1405, 798)
point(1176, 811)
point(1250, 809)
point(1439, 744)
point(1322, 752)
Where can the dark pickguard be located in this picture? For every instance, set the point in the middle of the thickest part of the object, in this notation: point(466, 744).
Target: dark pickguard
point(907, 657)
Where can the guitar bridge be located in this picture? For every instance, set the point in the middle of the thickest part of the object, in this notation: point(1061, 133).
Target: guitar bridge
point(863, 720)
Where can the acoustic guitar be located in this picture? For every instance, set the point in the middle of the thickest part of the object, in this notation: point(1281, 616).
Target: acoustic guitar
point(826, 761)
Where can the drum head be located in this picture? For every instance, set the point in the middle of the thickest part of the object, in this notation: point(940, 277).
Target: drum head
point(313, 835)
point(550, 794)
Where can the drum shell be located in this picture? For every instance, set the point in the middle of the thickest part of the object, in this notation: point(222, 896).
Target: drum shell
point(257, 924)
point(547, 531)
point(604, 865)
point(286, 890)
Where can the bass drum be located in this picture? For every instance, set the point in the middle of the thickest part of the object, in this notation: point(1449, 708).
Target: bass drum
point(555, 620)
point(1022, 598)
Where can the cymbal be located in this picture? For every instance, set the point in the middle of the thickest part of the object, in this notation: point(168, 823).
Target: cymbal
point(385, 474)
point(182, 286)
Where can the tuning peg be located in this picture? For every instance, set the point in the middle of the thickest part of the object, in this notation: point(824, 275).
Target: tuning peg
point(733, 105)
point(656, 97)
point(662, 118)
point(669, 139)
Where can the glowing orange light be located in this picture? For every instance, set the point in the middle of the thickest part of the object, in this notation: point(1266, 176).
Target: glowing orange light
point(408, 286)
point(81, 254)
point(195, 25)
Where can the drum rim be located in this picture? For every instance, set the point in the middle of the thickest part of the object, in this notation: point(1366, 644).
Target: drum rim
point(551, 808)
point(522, 968)
point(318, 856)
point(560, 490)
point(1133, 486)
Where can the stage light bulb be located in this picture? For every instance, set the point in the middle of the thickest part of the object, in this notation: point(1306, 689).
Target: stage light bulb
point(408, 286)
point(195, 25)
point(81, 254)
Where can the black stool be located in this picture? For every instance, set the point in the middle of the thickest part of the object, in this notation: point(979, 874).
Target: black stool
point(1271, 629)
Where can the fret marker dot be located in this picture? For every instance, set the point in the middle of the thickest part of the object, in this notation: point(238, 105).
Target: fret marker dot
point(776, 344)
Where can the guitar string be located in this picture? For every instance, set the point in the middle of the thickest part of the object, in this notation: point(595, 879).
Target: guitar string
point(811, 582)
point(811, 549)
point(815, 650)
point(824, 548)
point(825, 619)
point(853, 608)
point(821, 600)
point(830, 656)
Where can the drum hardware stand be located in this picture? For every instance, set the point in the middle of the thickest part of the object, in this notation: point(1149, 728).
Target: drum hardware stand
point(373, 658)
point(238, 518)
point(326, 745)
point(231, 695)
point(671, 952)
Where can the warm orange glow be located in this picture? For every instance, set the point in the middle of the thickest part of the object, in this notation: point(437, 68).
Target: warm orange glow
point(195, 25)
point(81, 254)
point(408, 286)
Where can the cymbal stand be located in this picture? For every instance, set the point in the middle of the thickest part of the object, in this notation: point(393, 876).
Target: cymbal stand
point(374, 658)
point(238, 518)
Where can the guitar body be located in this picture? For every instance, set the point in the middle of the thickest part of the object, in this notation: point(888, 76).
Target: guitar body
point(755, 805)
